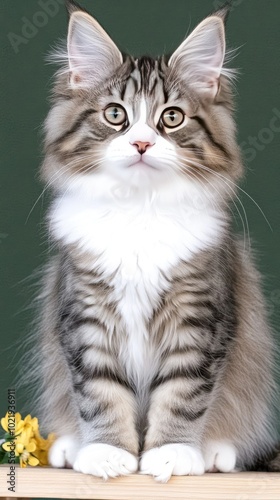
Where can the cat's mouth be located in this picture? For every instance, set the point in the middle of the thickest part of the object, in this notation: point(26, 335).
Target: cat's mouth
point(142, 162)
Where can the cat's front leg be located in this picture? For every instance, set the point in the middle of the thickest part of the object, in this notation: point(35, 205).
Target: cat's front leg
point(108, 446)
point(176, 420)
point(104, 403)
point(107, 424)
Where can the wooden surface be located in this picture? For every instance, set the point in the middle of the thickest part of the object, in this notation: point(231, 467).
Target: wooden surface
point(53, 483)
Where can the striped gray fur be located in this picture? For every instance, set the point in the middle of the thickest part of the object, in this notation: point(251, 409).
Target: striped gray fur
point(208, 363)
point(211, 379)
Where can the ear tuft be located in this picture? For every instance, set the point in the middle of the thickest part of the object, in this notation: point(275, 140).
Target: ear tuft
point(199, 59)
point(92, 54)
point(223, 12)
point(72, 6)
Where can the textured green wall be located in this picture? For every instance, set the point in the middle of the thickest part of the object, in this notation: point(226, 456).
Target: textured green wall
point(147, 26)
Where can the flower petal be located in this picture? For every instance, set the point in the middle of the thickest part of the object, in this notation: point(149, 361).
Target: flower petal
point(33, 461)
point(34, 423)
point(19, 426)
point(19, 423)
point(30, 446)
point(19, 447)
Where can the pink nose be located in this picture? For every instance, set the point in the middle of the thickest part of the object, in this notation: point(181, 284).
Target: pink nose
point(142, 146)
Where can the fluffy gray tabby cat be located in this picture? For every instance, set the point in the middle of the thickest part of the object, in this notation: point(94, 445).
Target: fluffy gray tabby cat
point(155, 352)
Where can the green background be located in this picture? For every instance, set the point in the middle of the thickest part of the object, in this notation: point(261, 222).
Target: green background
point(147, 26)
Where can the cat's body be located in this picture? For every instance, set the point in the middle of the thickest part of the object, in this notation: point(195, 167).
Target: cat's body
point(154, 338)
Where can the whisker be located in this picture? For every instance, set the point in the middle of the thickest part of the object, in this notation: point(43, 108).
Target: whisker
point(236, 207)
point(225, 181)
point(185, 162)
point(237, 187)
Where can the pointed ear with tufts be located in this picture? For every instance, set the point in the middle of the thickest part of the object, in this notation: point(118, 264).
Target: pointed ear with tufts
point(92, 55)
point(199, 59)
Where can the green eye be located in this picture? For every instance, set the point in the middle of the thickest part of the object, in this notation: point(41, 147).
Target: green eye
point(172, 117)
point(115, 114)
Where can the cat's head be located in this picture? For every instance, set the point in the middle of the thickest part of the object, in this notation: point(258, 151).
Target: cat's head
point(136, 124)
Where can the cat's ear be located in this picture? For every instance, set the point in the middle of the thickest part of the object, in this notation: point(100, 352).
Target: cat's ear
point(199, 59)
point(92, 55)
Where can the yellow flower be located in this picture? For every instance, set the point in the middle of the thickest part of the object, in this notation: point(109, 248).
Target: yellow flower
point(31, 448)
point(32, 422)
point(25, 446)
point(23, 442)
point(42, 447)
point(27, 459)
point(16, 423)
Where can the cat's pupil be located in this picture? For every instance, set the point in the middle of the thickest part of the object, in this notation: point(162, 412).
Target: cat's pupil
point(116, 113)
point(172, 116)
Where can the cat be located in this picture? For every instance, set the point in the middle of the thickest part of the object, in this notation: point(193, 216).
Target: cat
point(155, 353)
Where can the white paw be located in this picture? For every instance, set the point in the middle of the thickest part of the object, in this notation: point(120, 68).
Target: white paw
point(172, 459)
point(219, 456)
point(104, 460)
point(63, 452)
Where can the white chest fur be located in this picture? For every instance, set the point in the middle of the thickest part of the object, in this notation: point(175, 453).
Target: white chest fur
point(138, 246)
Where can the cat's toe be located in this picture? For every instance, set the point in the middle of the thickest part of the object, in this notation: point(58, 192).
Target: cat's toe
point(219, 456)
point(172, 459)
point(63, 452)
point(105, 461)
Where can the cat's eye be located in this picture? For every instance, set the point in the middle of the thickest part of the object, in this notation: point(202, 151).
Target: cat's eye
point(172, 117)
point(115, 114)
